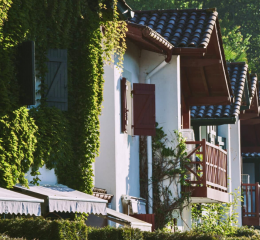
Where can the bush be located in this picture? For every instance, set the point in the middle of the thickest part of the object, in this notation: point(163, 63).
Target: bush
point(108, 233)
point(247, 232)
point(158, 235)
point(42, 229)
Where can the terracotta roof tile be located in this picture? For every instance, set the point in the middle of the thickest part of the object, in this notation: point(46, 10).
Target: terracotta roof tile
point(102, 193)
point(182, 28)
point(237, 74)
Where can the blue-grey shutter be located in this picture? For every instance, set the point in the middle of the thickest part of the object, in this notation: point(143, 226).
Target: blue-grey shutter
point(56, 79)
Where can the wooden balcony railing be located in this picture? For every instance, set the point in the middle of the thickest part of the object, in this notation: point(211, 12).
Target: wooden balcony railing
point(211, 169)
point(251, 201)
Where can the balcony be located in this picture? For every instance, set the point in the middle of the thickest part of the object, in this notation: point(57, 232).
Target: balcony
point(250, 212)
point(207, 176)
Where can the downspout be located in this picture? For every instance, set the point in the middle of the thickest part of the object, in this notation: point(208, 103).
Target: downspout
point(149, 139)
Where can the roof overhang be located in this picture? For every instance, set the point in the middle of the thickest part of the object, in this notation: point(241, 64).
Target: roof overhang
point(60, 198)
point(212, 121)
point(127, 220)
point(253, 110)
point(148, 39)
point(204, 78)
point(17, 203)
point(252, 156)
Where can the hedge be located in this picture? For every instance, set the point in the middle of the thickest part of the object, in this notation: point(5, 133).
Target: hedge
point(43, 229)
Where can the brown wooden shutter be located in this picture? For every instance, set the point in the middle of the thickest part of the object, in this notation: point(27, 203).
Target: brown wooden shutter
point(123, 105)
point(144, 109)
point(56, 79)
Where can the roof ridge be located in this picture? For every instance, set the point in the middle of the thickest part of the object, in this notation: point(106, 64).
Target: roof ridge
point(177, 10)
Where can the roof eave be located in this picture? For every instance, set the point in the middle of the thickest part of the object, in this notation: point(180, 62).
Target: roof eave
point(213, 121)
point(144, 33)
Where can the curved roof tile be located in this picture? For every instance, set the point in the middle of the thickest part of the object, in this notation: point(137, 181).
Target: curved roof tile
point(182, 28)
point(237, 73)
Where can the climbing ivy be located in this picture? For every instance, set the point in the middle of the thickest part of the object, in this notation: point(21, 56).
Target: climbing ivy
point(17, 144)
point(69, 141)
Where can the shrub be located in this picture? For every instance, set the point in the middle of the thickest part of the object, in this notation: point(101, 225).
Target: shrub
point(245, 231)
point(108, 233)
point(42, 229)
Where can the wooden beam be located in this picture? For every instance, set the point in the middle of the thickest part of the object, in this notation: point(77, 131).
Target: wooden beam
point(199, 62)
point(189, 51)
point(208, 100)
point(250, 149)
point(143, 42)
point(222, 68)
point(204, 80)
point(185, 86)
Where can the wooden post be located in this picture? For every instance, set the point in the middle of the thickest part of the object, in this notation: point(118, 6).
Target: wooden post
point(185, 114)
point(204, 152)
point(257, 200)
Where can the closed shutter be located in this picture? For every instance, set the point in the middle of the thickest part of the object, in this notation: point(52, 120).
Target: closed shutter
point(26, 72)
point(56, 79)
point(144, 109)
point(123, 105)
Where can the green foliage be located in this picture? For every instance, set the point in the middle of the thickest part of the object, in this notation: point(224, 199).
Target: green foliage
point(162, 4)
point(169, 172)
point(217, 218)
point(53, 139)
point(245, 231)
point(246, 15)
point(235, 45)
point(179, 235)
point(114, 37)
point(17, 144)
point(69, 142)
point(4, 237)
point(44, 229)
point(108, 233)
point(39, 228)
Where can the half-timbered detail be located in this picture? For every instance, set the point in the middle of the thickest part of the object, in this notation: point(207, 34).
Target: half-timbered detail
point(144, 109)
point(208, 174)
point(56, 79)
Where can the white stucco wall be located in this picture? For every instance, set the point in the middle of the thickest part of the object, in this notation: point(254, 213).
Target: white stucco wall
point(167, 89)
point(224, 131)
point(236, 161)
point(117, 167)
point(47, 176)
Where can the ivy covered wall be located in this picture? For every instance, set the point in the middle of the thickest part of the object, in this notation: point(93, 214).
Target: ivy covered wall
point(67, 141)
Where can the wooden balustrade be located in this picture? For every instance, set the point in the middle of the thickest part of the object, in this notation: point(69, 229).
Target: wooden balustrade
point(251, 201)
point(211, 170)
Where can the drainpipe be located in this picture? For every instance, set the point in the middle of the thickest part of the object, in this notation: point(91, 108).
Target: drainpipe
point(149, 142)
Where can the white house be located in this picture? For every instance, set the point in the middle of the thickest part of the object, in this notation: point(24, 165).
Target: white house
point(220, 124)
point(174, 60)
